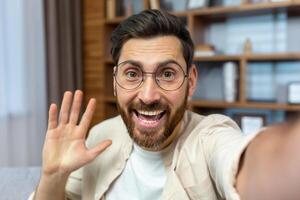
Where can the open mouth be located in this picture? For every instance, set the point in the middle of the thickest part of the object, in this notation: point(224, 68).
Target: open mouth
point(149, 119)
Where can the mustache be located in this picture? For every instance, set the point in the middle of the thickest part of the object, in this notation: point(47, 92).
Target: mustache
point(148, 107)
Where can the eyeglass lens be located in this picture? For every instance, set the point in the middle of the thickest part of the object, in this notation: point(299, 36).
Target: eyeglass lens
point(168, 77)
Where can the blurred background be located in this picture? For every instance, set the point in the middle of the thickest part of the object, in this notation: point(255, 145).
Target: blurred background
point(22, 82)
point(247, 54)
point(40, 58)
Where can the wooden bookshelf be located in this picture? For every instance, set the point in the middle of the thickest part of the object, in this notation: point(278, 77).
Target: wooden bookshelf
point(251, 105)
point(273, 57)
point(218, 58)
point(98, 64)
point(246, 57)
point(247, 9)
point(250, 57)
point(227, 105)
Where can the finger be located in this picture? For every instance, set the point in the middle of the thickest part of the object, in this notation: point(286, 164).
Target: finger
point(94, 152)
point(88, 115)
point(65, 107)
point(75, 110)
point(52, 117)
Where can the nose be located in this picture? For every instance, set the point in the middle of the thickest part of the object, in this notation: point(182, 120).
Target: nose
point(149, 92)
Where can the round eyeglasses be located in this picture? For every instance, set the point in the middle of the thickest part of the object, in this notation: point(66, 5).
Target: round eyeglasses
point(169, 76)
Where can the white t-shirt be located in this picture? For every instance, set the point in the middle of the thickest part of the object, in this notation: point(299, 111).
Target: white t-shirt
point(142, 179)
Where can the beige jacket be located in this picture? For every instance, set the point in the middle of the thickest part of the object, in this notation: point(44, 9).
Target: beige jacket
point(203, 164)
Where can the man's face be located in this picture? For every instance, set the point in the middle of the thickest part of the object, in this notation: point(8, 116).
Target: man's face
point(151, 113)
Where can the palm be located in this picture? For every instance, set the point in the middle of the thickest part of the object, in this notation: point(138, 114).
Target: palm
point(64, 149)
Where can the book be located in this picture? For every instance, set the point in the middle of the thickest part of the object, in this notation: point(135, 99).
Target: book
point(155, 4)
point(194, 4)
point(110, 9)
point(229, 78)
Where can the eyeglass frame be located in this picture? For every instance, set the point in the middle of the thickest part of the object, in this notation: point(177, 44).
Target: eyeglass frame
point(152, 73)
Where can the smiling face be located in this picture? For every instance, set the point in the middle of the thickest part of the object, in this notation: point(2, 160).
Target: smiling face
point(150, 113)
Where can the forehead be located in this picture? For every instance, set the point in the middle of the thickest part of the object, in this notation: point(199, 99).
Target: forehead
point(152, 51)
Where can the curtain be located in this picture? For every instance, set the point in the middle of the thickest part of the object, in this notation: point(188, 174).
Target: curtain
point(22, 82)
point(40, 58)
point(63, 47)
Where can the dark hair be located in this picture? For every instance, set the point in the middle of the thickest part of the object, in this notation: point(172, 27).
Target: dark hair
point(149, 24)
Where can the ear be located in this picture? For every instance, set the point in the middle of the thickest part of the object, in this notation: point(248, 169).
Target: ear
point(114, 81)
point(192, 78)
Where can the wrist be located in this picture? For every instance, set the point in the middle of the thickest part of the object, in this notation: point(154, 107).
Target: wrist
point(57, 177)
point(51, 186)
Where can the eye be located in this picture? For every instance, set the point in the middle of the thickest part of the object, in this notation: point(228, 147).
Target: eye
point(167, 74)
point(131, 74)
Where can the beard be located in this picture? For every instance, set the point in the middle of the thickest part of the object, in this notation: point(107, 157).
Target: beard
point(152, 138)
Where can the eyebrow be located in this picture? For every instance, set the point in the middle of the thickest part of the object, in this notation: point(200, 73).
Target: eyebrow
point(132, 62)
point(140, 65)
point(169, 61)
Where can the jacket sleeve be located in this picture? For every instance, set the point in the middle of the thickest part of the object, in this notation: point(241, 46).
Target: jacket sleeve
point(73, 187)
point(224, 144)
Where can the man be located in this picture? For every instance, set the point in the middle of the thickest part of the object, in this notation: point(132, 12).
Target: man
point(157, 149)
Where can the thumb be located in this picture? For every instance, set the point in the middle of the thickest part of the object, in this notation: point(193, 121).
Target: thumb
point(94, 152)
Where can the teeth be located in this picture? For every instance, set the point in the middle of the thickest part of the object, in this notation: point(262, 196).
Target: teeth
point(150, 113)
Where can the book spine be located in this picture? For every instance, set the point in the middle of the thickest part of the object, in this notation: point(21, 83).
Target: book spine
point(229, 77)
point(155, 4)
point(110, 9)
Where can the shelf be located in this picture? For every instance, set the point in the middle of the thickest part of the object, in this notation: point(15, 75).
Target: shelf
point(273, 57)
point(246, 9)
point(250, 57)
point(218, 58)
point(252, 105)
point(225, 10)
point(226, 105)
point(181, 13)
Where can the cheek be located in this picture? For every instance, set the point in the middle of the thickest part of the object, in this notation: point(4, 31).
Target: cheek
point(124, 97)
point(176, 98)
point(174, 101)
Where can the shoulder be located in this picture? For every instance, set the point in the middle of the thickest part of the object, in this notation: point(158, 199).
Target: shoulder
point(199, 130)
point(208, 123)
